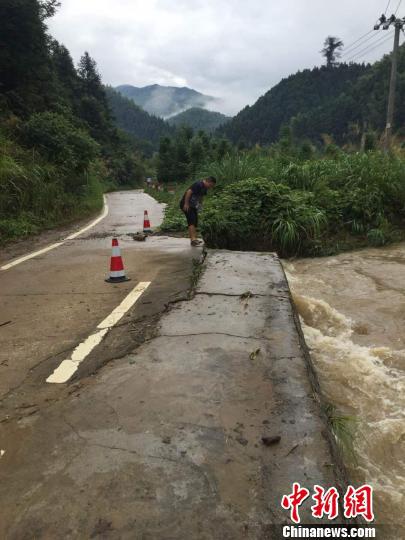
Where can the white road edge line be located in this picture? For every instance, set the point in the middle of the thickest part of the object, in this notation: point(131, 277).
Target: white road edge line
point(57, 244)
point(69, 366)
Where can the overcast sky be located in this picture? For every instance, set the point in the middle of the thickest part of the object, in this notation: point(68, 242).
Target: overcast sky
point(232, 49)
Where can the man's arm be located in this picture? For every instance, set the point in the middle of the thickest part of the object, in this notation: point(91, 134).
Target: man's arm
point(187, 198)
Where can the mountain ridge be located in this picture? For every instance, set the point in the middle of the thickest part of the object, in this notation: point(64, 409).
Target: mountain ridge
point(165, 101)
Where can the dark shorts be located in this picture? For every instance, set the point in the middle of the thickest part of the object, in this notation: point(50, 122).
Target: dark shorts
point(191, 216)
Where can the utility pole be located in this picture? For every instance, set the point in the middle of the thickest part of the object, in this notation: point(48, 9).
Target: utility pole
point(398, 25)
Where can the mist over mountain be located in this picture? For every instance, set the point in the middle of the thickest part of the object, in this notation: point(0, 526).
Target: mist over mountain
point(136, 121)
point(166, 101)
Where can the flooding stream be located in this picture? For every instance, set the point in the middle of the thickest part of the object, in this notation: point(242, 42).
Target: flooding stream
point(353, 312)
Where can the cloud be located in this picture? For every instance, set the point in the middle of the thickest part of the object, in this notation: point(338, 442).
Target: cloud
point(231, 49)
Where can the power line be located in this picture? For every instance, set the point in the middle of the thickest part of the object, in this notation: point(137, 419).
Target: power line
point(357, 40)
point(382, 22)
point(367, 50)
point(399, 5)
point(346, 52)
point(388, 5)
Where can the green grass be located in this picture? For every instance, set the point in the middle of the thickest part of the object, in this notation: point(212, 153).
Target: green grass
point(344, 430)
point(26, 223)
point(33, 194)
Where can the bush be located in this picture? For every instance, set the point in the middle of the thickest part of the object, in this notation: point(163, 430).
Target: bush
point(259, 214)
point(61, 143)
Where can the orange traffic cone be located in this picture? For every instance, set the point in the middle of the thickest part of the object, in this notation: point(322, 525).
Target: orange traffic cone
point(117, 272)
point(146, 223)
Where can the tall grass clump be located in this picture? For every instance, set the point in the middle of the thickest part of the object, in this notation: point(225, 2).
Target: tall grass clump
point(236, 167)
point(33, 193)
point(259, 214)
point(344, 430)
point(361, 193)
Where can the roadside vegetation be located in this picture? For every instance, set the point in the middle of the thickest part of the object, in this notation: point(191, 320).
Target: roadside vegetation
point(59, 147)
point(36, 194)
point(298, 202)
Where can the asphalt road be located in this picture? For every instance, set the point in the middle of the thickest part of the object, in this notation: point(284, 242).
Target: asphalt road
point(52, 302)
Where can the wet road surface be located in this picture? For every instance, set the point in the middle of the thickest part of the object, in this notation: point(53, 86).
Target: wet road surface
point(53, 301)
point(167, 442)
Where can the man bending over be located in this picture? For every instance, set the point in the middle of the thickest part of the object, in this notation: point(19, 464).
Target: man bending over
point(191, 204)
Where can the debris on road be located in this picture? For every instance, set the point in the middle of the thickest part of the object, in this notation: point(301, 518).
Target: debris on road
point(246, 296)
point(5, 323)
point(242, 441)
point(166, 440)
point(269, 441)
point(2, 452)
point(102, 527)
point(292, 450)
point(139, 237)
point(253, 355)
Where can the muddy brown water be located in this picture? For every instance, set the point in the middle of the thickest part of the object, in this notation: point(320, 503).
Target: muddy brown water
point(352, 308)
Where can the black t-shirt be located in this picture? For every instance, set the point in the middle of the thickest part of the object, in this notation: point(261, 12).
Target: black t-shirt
point(199, 190)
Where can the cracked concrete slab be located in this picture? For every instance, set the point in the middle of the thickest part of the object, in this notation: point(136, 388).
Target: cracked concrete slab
point(166, 443)
point(234, 273)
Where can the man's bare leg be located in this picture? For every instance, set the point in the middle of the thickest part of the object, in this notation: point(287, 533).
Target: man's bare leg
point(192, 231)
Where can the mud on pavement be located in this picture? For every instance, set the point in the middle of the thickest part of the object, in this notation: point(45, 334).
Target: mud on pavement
point(194, 435)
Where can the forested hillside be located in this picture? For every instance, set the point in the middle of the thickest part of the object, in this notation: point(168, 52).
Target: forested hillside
point(361, 106)
point(296, 94)
point(199, 119)
point(134, 120)
point(58, 139)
